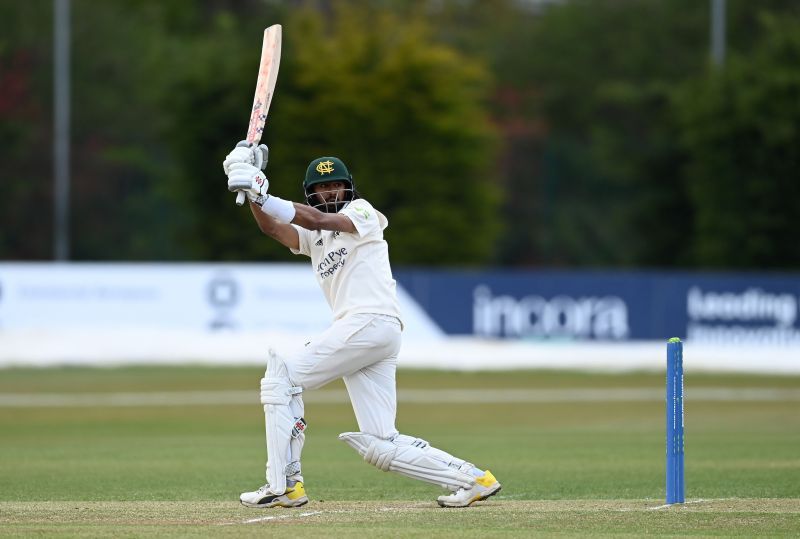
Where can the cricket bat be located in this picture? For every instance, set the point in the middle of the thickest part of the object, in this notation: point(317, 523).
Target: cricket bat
point(265, 87)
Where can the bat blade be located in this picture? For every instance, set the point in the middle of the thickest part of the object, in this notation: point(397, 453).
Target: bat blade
point(265, 87)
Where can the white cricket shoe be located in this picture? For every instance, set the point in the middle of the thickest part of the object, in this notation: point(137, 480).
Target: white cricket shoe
point(485, 486)
point(295, 496)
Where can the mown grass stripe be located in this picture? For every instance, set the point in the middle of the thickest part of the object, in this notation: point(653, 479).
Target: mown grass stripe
point(452, 396)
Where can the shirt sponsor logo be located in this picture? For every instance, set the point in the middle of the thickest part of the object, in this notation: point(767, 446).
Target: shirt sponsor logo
point(331, 263)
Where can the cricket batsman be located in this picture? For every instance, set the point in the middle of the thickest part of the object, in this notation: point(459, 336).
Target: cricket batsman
point(342, 234)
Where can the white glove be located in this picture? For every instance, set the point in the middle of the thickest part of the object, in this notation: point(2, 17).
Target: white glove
point(245, 152)
point(247, 178)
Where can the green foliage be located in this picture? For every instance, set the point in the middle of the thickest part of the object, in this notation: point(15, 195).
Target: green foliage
point(592, 137)
point(403, 113)
point(25, 41)
point(118, 207)
point(590, 133)
point(601, 176)
point(208, 97)
point(161, 92)
point(740, 130)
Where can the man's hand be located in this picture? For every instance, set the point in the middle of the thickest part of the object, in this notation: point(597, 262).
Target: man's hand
point(245, 152)
point(248, 179)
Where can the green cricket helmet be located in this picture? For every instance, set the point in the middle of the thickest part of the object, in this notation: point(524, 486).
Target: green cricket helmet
point(325, 170)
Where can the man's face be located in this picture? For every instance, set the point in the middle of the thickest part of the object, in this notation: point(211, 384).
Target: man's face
point(330, 192)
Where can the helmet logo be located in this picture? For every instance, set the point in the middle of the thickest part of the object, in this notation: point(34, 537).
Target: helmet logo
point(325, 167)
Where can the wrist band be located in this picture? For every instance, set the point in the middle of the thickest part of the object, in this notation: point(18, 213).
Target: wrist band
point(282, 210)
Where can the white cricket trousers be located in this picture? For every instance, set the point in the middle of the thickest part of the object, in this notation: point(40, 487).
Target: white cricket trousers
point(362, 350)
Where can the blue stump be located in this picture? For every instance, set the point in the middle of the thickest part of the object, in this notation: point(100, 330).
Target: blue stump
point(674, 405)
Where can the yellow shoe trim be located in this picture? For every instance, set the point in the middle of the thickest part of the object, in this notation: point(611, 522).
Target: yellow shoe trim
point(297, 491)
point(486, 480)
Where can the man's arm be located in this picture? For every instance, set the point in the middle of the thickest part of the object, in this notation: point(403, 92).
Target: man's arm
point(305, 216)
point(283, 233)
point(273, 217)
point(313, 219)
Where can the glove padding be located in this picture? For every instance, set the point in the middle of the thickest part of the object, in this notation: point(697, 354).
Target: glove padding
point(249, 179)
point(245, 152)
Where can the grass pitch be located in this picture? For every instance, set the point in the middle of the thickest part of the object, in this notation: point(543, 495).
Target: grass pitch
point(164, 451)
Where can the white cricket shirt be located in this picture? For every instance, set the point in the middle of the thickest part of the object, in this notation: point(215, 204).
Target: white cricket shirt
point(353, 268)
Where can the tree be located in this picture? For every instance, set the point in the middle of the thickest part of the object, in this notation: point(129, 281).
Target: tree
point(602, 168)
point(404, 113)
point(613, 128)
point(740, 130)
point(25, 219)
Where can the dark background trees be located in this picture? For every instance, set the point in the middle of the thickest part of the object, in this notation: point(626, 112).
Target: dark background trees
point(506, 132)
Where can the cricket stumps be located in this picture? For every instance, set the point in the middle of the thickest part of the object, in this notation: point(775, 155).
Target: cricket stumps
point(674, 408)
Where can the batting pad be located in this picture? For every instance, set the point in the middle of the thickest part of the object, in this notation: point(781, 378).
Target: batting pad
point(412, 457)
point(276, 393)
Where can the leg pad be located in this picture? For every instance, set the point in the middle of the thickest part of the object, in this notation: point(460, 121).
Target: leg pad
point(282, 426)
point(412, 457)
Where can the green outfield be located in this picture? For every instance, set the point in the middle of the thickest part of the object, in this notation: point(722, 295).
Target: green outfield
point(164, 451)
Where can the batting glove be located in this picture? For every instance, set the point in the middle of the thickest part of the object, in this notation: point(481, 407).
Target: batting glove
point(245, 152)
point(249, 179)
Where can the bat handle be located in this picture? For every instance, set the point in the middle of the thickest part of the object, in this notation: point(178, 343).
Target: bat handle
point(242, 144)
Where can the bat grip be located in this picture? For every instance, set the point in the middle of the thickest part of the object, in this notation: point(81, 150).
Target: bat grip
point(240, 196)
